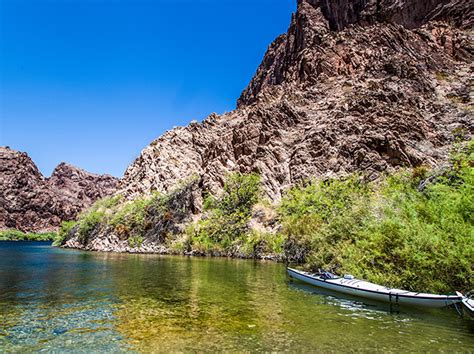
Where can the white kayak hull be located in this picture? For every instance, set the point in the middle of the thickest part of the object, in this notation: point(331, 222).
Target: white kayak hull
point(363, 289)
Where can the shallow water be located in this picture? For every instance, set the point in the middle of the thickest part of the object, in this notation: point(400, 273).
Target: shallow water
point(54, 299)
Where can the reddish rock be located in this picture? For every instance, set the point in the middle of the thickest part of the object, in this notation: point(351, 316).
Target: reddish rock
point(359, 85)
point(32, 203)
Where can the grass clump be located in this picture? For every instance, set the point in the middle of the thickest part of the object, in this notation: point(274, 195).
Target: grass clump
point(16, 235)
point(404, 230)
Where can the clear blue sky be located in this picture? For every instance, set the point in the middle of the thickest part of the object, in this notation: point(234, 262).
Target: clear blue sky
point(92, 82)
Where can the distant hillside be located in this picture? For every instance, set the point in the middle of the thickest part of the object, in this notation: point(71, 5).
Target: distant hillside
point(32, 203)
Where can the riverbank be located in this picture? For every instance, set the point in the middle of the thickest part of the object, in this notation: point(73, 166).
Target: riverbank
point(16, 235)
point(411, 229)
point(114, 246)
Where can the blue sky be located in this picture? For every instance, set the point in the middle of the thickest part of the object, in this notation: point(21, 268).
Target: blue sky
point(92, 82)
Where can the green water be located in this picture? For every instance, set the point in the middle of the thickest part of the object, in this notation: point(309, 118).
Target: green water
point(52, 299)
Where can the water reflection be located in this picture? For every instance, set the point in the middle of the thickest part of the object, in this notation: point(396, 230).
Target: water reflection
point(60, 299)
point(372, 309)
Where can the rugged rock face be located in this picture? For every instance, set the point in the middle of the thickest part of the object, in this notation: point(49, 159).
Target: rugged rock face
point(408, 13)
point(363, 85)
point(32, 203)
point(75, 184)
point(322, 28)
point(170, 217)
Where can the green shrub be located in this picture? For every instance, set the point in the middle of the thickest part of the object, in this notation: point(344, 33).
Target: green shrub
point(322, 213)
point(260, 243)
point(12, 235)
point(132, 215)
point(64, 231)
point(132, 220)
point(225, 221)
point(395, 231)
point(96, 216)
point(108, 203)
point(135, 241)
point(88, 223)
point(241, 192)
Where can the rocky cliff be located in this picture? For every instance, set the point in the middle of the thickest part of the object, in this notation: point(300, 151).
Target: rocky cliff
point(363, 85)
point(32, 203)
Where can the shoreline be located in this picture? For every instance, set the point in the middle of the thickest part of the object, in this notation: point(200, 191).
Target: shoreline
point(49, 241)
point(17, 235)
point(166, 252)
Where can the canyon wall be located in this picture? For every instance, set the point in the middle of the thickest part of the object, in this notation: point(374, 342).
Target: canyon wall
point(360, 85)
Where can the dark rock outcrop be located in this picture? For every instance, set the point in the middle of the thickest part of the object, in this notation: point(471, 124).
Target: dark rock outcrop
point(32, 203)
point(346, 27)
point(363, 85)
point(408, 13)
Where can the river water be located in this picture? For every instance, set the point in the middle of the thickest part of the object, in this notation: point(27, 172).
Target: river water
point(54, 299)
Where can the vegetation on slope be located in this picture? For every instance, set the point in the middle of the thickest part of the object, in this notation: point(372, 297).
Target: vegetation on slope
point(15, 235)
point(408, 230)
point(224, 228)
point(413, 229)
point(154, 218)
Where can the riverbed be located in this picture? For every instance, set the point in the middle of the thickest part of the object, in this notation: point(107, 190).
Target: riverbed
point(56, 299)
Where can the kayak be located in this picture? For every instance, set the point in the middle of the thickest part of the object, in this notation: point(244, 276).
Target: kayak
point(468, 306)
point(364, 289)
